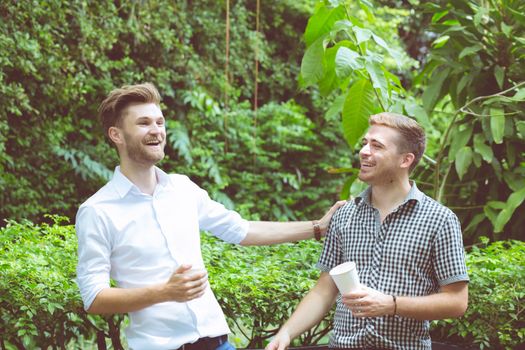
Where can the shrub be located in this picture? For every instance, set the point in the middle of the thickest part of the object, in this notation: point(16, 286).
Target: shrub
point(494, 318)
point(258, 287)
point(40, 303)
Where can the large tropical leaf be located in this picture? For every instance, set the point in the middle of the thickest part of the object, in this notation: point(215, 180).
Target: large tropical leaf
point(322, 22)
point(359, 105)
point(311, 67)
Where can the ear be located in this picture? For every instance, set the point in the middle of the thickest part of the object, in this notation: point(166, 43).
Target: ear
point(406, 160)
point(115, 135)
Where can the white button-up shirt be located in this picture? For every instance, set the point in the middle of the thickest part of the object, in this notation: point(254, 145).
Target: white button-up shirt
point(138, 240)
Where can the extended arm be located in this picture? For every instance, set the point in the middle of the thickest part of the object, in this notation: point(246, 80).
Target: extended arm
point(268, 232)
point(310, 311)
point(451, 301)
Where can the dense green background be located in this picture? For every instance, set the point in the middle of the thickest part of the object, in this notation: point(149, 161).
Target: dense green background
point(457, 66)
point(59, 59)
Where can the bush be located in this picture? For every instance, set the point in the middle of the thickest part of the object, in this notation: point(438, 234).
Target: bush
point(494, 318)
point(40, 304)
point(258, 287)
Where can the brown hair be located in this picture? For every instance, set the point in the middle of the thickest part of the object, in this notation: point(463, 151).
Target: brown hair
point(412, 138)
point(112, 108)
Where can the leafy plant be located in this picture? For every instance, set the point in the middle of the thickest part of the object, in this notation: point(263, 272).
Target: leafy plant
point(39, 301)
point(494, 318)
point(475, 72)
point(352, 65)
point(259, 287)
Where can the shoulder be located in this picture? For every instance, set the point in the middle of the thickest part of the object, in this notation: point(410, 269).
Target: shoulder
point(430, 205)
point(180, 181)
point(343, 213)
point(105, 193)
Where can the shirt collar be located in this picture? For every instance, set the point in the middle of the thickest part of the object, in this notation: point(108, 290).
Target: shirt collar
point(413, 195)
point(123, 185)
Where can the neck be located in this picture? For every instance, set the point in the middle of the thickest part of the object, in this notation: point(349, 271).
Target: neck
point(387, 196)
point(143, 177)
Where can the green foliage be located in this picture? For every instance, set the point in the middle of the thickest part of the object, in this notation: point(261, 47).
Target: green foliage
point(259, 287)
point(39, 300)
point(351, 64)
point(494, 319)
point(59, 59)
point(475, 73)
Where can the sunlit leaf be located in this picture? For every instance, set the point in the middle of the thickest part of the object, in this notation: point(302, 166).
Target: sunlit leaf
point(499, 73)
point(321, 23)
point(441, 41)
point(467, 51)
point(311, 66)
point(463, 161)
point(497, 124)
point(346, 61)
point(484, 150)
point(360, 103)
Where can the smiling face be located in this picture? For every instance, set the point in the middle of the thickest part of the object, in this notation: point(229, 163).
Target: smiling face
point(381, 161)
point(141, 135)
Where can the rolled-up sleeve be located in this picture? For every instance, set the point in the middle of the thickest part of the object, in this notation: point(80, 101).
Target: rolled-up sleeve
point(449, 262)
point(94, 251)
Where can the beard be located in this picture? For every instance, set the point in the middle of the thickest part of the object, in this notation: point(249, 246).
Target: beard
point(144, 154)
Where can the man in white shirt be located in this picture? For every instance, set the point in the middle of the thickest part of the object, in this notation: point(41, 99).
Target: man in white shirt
point(142, 229)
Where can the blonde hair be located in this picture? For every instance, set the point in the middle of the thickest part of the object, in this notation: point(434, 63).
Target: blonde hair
point(412, 136)
point(112, 108)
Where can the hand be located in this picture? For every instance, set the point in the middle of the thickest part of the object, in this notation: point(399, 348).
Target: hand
point(280, 341)
point(325, 220)
point(185, 284)
point(368, 302)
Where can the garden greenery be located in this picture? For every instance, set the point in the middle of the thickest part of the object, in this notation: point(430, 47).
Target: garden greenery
point(258, 288)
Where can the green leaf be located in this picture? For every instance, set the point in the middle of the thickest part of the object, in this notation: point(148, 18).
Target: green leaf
point(520, 125)
point(484, 150)
point(497, 124)
point(438, 15)
point(335, 108)
point(345, 191)
point(328, 82)
point(519, 95)
point(459, 139)
point(359, 105)
point(514, 201)
point(321, 23)
point(467, 51)
point(378, 78)
point(440, 42)
point(499, 73)
point(414, 110)
point(346, 61)
point(506, 29)
point(362, 35)
point(312, 65)
point(463, 161)
point(433, 91)
point(466, 79)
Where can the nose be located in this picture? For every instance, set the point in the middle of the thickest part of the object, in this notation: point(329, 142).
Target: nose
point(156, 129)
point(364, 151)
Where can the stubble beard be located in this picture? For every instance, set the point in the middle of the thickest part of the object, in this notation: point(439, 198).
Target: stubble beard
point(139, 153)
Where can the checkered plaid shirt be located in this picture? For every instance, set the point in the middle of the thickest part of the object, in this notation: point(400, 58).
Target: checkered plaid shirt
point(415, 250)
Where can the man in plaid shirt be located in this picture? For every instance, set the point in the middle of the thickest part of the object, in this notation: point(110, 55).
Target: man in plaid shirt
point(407, 247)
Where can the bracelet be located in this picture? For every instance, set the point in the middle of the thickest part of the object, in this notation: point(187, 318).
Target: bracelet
point(395, 304)
point(317, 230)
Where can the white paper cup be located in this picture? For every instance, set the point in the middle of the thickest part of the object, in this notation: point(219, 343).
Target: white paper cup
point(345, 277)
